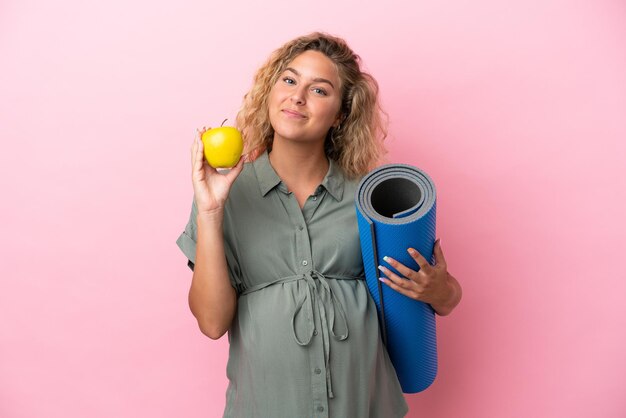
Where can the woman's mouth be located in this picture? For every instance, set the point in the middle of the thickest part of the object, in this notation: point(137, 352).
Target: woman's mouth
point(293, 114)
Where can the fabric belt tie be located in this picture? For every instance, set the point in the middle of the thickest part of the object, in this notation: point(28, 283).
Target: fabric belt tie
point(316, 283)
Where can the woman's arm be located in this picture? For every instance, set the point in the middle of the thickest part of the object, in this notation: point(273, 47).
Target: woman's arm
point(212, 298)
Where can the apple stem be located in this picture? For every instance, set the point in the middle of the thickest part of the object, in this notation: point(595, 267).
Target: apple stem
point(224, 122)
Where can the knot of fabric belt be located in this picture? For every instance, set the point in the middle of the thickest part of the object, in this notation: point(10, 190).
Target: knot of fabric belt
point(328, 314)
point(316, 284)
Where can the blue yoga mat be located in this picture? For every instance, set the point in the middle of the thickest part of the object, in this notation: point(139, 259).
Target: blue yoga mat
point(396, 207)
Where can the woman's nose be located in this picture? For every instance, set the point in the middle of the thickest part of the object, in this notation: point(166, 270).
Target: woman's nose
point(298, 96)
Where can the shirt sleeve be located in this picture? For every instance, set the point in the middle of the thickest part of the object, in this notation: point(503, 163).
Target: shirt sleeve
point(187, 240)
point(187, 244)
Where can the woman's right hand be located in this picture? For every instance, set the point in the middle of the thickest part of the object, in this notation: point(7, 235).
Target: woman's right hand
point(210, 188)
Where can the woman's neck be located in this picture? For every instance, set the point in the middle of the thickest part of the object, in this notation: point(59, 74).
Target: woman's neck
point(300, 167)
point(299, 164)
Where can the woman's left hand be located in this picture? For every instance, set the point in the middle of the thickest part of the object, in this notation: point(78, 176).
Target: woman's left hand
point(432, 284)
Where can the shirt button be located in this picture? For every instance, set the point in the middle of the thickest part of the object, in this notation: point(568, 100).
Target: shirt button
point(320, 408)
point(300, 227)
point(318, 370)
point(314, 197)
point(314, 332)
point(304, 263)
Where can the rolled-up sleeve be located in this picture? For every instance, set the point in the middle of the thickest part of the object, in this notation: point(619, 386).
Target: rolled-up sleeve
point(188, 238)
point(187, 243)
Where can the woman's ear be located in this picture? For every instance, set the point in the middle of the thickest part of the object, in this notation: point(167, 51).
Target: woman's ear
point(338, 121)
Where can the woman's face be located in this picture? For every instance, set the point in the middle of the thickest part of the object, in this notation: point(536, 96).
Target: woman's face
point(305, 101)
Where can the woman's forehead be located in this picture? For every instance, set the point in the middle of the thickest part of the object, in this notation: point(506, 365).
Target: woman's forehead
point(314, 64)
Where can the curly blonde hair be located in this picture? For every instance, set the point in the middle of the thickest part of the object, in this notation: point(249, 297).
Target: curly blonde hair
point(357, 143)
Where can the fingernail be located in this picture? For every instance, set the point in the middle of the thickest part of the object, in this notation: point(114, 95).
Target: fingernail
point(381, 268)
point(411, 251)
point(382, 279)
point(386, 258)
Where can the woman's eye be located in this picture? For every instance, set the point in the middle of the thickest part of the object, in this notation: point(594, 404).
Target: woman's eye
point(289, 80)
point(317, 90)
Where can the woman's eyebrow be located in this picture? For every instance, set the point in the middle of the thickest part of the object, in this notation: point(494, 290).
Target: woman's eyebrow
point(317, 80)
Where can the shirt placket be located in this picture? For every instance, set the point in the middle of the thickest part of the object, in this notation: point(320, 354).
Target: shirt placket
point(304, 265)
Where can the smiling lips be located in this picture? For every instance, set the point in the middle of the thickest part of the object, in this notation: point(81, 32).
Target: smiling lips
point(293, 114)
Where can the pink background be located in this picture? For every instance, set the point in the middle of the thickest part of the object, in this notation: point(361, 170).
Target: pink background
point(517, 109)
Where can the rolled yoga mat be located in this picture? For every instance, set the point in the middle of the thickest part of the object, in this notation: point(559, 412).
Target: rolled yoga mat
point(396, 207)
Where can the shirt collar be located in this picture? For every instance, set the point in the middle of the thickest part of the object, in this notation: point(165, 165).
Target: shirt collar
point(268, 179)
point(334, 180)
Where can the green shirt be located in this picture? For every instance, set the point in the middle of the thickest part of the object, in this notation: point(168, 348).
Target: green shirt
point(305, 341)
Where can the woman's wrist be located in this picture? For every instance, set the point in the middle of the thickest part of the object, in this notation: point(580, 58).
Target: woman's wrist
point(210, 218)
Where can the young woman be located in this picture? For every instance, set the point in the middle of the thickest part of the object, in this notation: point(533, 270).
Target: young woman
point(274, 244)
